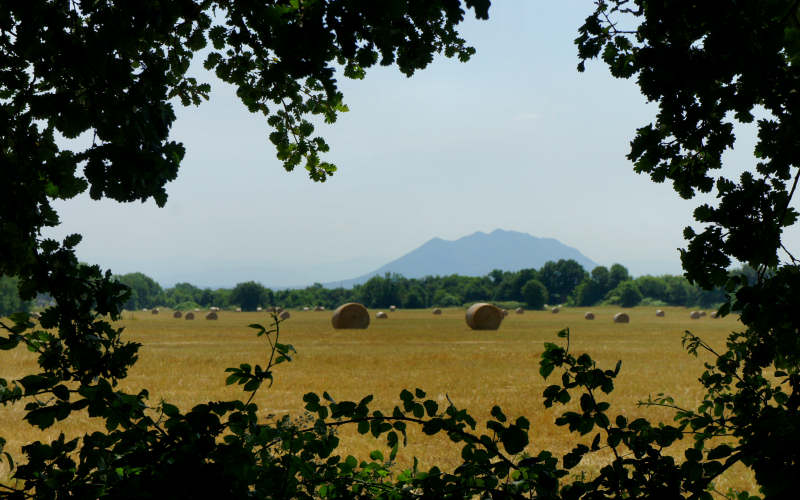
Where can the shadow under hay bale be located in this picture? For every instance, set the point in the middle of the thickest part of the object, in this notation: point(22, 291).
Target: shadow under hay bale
point(350, 315)
point(212, 315)
point(622, 318)
point(483, 316)
point(588, 315)
point(177, 314)
point(437, 311)
point(381, 315)
point(189, 315)
point(659, 313)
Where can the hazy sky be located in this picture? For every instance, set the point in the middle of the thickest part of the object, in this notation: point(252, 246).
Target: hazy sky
point(514, 139)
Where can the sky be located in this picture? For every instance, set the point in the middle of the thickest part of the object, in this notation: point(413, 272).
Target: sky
point(514, 139)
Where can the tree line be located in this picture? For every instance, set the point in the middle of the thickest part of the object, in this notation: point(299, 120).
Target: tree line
point(562, 282)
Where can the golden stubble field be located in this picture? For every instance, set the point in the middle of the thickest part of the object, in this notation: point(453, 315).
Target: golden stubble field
point(183, 362)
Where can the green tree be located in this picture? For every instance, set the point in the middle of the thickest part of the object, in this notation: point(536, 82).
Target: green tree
point(534, 293)
point(9, 297)
point(248, 295)
point(626, 294)
point(561, 278)
point(145, 291)
point(616, 275)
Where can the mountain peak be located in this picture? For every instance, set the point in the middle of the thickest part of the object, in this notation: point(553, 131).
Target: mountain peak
point(477, 254)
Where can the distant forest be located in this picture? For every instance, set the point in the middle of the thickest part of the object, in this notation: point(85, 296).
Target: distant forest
point(563, 282)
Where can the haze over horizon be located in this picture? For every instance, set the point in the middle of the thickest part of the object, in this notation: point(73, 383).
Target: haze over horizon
point(515, 139)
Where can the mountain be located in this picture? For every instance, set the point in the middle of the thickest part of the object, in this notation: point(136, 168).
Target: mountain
point(476, 255)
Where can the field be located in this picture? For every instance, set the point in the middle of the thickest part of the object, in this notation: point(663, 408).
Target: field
point(184, 361)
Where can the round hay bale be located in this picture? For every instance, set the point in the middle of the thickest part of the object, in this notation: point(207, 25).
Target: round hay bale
point(212, 315)
point(154, 311)
point(702, 313)
point(284, 315)
point(437, 311)
point(714, 314)
point(350, 315)
point(659, 313)
point(392, 308)
point(259, 309)
point(622, 318)
point(305, 308)
point(189, 315)
point(695, 315)
point(238, 309)
point(197, 310)
point(381, 315)
point(588, 315)
point(279, 310)
point(177, 314)
point(483, 316)
point(555, 310)
point(519, 310)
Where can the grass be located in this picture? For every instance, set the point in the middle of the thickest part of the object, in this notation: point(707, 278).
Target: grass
point(183, 362)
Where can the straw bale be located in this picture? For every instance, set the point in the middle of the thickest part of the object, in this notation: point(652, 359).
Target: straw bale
point(695, 315)
point(381, 315)
point(483, 316)
point(284, 315)
point(519, 310)
point(238, 309)
point(437, 311)
point(714, 314)
point(154, 311)
point(555, 310)
point(189, 315)
point(392, 308)
point(350, 315)
point(305, 308)
point(622, 318)
point(212, 315)
point(177, 314)
point(588, 315)
point(702, 313)
point(659, 313)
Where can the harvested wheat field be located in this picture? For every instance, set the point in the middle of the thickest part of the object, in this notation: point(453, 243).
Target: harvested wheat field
point(184, 362)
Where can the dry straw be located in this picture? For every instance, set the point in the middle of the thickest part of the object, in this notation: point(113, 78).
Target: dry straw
point(483, 316)
point(622, 318)
point(350, 315)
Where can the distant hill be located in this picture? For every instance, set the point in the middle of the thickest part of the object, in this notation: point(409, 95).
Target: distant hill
point(476, 255)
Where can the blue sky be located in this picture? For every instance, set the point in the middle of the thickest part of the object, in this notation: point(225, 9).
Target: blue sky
point(514, 139)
